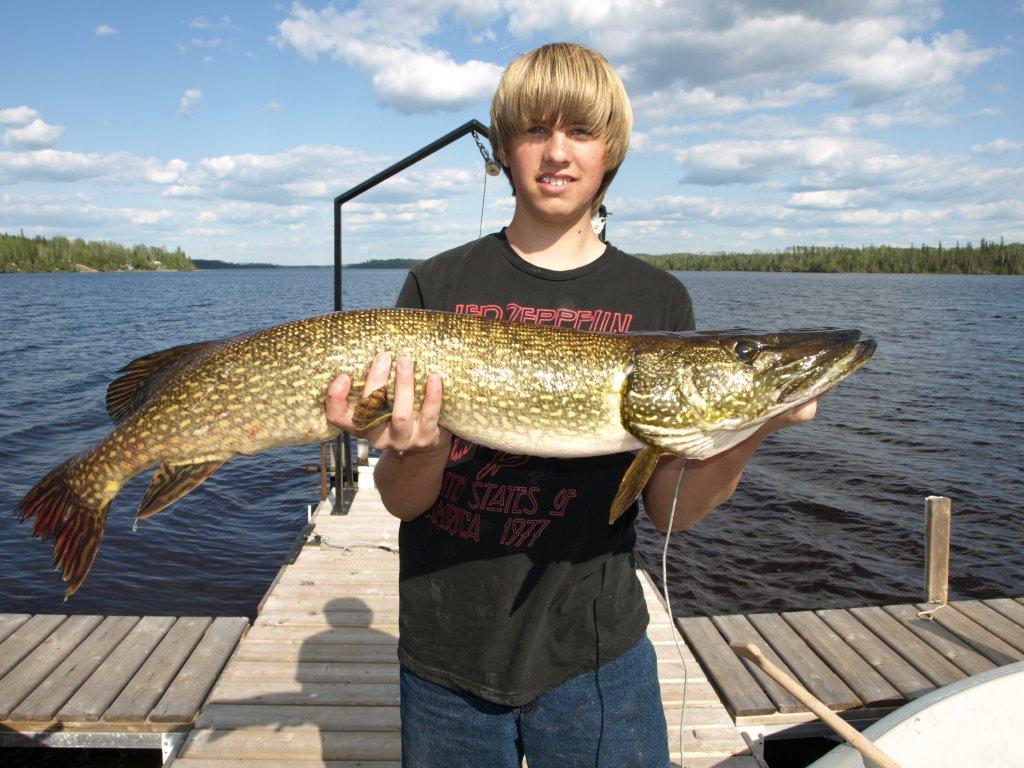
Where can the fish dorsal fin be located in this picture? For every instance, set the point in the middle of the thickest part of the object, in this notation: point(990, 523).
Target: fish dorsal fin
point(172, 481)
point(126, 393)
point(633, 482)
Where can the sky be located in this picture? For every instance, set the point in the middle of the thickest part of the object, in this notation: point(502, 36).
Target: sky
point(227, 128)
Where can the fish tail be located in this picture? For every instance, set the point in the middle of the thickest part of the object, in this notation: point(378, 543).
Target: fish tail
point(70, 505)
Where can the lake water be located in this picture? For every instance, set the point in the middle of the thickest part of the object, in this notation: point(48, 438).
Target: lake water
point(828, 514)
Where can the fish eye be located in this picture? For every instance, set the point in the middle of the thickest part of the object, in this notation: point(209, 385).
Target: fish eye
point(745, 351)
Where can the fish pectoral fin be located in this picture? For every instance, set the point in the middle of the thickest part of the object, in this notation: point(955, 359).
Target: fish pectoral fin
point(372, 410)
point(172, 481)
point(633, 482)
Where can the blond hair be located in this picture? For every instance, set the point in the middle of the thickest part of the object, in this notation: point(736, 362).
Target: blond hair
point(562, 84)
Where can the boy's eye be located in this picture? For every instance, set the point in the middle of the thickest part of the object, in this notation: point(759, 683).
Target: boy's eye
point(581, 131)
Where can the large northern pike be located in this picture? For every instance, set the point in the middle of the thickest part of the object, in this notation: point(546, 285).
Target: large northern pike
point(520, 388)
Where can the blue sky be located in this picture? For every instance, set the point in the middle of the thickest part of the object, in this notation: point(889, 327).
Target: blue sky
point(227, 128)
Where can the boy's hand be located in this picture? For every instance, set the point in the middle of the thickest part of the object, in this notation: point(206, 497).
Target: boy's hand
point(798, 415)
point(404, 431)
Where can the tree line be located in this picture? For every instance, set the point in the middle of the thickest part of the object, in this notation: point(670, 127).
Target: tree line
point(987, 258)
point(60, 254)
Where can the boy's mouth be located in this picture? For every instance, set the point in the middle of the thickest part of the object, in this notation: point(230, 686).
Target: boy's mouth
point(555, 180)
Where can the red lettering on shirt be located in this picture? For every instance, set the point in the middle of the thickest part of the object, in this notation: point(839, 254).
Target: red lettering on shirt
point(451, 486)
point(455, 521)
point(562, 499)
point(460, 448)
point(507, 499)
point(480, 310)
point(520, 532)
point(601, 320)
point(498, 462)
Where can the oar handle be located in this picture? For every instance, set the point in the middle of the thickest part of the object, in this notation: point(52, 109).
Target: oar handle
point(855, 738)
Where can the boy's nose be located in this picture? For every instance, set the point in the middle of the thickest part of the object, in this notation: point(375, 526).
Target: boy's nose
point(557, 147)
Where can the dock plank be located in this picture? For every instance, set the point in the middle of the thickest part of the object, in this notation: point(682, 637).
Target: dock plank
point(1006, 630)
point(977, 637)
point(53, 692)
point(740, 692)
point(910, 683)
point(925, 659)
point(809, 669)
point(186, 693)
point(25, 638)
point(957, 650)
point(9, 622)
point(738, 629)
point(97, 693)
point(297, 742)
point(1007, 607)
point(871, 688)
point(291, 692)
point(326, 717)
point(44, 658)
point(142, 692)
point(308, 672)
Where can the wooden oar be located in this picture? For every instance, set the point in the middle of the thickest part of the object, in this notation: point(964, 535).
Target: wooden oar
point(854, 737)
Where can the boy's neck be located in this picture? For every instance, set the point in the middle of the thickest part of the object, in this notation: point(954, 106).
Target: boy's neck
point(559, 247)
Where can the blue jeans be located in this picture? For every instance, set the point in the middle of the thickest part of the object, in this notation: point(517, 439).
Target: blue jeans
point(609, 718)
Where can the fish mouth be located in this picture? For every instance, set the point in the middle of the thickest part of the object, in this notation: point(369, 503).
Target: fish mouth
point(819, 363)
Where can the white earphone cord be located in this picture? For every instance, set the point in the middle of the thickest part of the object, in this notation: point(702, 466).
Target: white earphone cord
point(668, 607)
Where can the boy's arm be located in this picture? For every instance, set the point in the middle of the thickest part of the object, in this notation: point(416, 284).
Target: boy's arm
point(416, 449)
point(709, 482)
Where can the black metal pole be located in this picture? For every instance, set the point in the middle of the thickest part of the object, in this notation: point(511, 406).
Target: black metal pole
point(344, 467)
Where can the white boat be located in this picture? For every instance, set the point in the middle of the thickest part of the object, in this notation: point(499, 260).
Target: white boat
point(977, 722)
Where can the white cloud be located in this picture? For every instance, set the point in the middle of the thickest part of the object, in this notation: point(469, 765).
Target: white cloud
point(732, 161)
point(683, 58)
point(682, 102)
point(35, 135)
point(105, 31)
point(406, 73)
point(996, 147)
point(18, 116)
point(906, 65)
point(61, 213)
point(55, 165)
point(188, 102)
point(201, 22)
point(272, 104)
point(830, 199)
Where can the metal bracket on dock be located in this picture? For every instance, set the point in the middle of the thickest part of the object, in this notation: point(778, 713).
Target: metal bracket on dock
point(170, 743)
point(95, 740)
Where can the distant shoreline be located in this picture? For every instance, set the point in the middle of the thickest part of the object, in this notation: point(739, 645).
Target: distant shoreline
point(19, 254)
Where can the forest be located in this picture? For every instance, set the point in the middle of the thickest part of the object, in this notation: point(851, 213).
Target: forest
point(60, 254)
point(987, 258)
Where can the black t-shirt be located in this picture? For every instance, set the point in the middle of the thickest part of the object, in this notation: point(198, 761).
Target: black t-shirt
point(513, 581)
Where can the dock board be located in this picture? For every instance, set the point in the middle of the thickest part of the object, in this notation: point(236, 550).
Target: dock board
point(862, 662)
point(68, 680)
point(315, 682)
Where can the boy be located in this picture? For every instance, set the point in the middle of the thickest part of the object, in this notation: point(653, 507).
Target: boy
point(522, 624)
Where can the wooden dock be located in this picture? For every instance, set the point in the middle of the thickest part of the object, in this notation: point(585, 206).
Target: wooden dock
point(861, 662)
point(315, 681)
point(108, 681)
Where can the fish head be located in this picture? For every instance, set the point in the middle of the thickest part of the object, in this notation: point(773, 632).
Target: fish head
point(697, 394)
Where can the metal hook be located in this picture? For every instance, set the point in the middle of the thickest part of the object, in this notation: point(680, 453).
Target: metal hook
point(490, 165)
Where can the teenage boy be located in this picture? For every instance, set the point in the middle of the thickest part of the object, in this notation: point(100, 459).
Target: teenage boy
point(522, 623)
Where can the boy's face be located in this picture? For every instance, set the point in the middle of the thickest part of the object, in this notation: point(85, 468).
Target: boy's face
point(557, 171)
